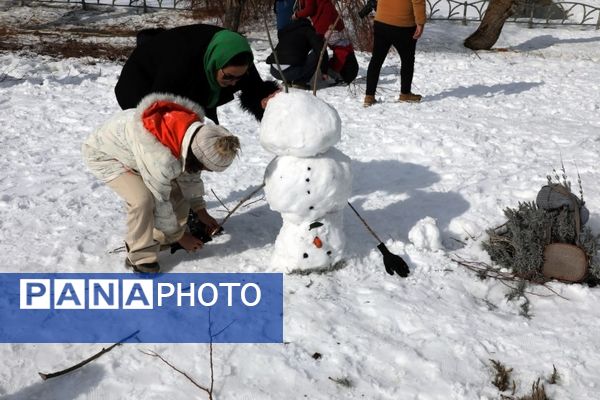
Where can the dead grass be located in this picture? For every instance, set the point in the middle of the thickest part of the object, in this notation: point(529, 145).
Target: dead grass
point(502, 380)
point(501, 376)
point(70, 48)
point(78, 39)
point(66, 43)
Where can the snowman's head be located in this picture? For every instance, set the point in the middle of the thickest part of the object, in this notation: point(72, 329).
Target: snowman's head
point(299, 124)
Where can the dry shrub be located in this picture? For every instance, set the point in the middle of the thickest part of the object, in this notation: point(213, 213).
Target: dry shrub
point(255, 10)
point(65, 43)
point(207, 9)
point(360, 30)
point(537, 392)
point(501, 376)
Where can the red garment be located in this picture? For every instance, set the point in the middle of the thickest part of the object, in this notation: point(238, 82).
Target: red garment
point(168, 122)
point(322, 13)
point(340, 53)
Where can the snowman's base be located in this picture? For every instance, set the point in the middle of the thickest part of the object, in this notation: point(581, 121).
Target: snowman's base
point(319, 270)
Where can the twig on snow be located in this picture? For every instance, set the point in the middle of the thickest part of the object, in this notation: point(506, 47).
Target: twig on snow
point(208, 390)
point(189, 378)
point(484, 270)
point(86, 361)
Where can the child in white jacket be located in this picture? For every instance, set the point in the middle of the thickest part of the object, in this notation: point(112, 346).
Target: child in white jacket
point(152, 156)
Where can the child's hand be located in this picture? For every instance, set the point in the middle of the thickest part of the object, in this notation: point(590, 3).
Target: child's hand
point(190, 242)
point(211, 224)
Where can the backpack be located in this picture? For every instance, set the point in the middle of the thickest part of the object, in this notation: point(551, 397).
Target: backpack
point(564, 261)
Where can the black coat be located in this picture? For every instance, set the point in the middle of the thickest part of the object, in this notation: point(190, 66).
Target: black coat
point(172, 61)
point(296, 40)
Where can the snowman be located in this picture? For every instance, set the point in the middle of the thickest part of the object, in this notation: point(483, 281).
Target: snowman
point(308, 182)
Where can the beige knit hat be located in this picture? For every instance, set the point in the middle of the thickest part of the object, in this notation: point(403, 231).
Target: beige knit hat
point(215, 147)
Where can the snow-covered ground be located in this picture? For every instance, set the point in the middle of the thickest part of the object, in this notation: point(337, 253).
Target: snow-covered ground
point(491, 127)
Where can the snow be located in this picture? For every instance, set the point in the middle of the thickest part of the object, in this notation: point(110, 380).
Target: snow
point(491, 126)
point(297, 124)
point(303, 247)
point(425, 235)
point(309, 182)
point(303, 189)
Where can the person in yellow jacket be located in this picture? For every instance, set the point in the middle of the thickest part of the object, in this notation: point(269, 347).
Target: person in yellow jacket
point(398, 23)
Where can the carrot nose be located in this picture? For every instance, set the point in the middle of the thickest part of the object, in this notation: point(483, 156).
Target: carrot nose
point(317, 242)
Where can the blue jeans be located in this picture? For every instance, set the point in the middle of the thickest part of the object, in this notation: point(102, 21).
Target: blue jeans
point(284, 10)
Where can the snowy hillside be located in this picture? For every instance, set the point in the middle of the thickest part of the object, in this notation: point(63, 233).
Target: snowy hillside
point(491, 126)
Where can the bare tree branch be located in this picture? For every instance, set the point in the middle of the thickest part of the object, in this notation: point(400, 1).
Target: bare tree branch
point(371, 231)
point(487, 271)
point(220, 202)
point(239, 204)
point(189, 378)
point(321, 57)
point(285, 84)
point(87, 360)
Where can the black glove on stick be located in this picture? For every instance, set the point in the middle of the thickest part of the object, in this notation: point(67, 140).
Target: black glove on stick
point(392, 262)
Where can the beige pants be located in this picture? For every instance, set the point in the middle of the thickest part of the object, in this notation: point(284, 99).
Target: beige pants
point(142, 240)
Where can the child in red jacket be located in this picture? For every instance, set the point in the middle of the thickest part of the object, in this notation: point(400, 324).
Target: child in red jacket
point(324, 18)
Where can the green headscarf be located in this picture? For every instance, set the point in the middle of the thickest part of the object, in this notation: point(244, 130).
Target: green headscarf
point(222, 48)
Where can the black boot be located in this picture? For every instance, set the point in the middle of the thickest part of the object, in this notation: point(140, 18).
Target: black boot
point(145, 268)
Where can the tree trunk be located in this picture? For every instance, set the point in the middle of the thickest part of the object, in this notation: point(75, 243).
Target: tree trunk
point(233, 14)
point(488, 32)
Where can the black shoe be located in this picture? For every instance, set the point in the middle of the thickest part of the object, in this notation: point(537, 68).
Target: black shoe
point(300, 85)
point(145, 268)
point(338, 82)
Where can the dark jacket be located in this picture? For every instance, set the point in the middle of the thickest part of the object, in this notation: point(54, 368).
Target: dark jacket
point(172, 61)
point(296, 40)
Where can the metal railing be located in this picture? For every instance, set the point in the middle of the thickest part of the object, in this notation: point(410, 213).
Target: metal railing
point(142, 4)
point(527, 11)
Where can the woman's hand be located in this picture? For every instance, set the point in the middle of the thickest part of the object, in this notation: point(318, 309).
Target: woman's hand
point(190, 243)
point(263, 102)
